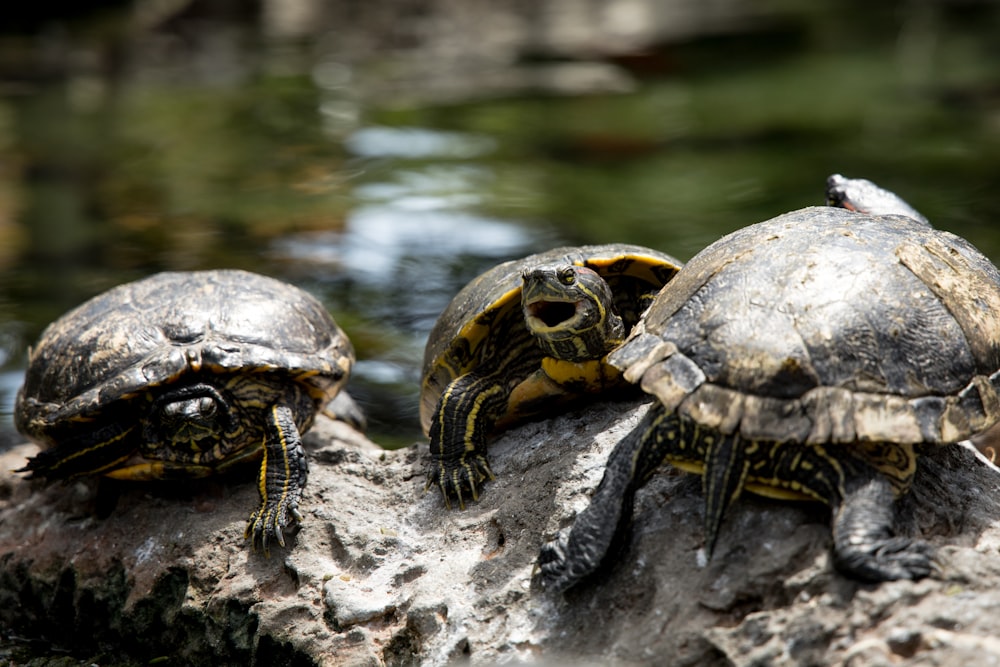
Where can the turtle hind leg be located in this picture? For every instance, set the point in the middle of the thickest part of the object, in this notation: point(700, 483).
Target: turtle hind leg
point(600, 530)
point(465, 415)
point(283, 475)
point(864, 545)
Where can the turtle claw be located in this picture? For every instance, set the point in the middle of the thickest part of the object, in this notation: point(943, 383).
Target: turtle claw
point(281, 480)
point(864, 546)
point(887, 559)
point(551, 571)
point(268, 523)
point(456, 480)
point(571, 558)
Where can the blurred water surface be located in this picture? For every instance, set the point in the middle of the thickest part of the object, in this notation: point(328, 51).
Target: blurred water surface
point(381, 154)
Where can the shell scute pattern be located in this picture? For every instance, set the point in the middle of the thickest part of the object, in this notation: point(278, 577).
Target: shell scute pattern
point(917, 339)
point(186, 374)
point(475, 328)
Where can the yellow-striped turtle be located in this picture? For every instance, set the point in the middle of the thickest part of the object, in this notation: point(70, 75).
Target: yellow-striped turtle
point(808, 356)
point(184, 375)
point(521, 337)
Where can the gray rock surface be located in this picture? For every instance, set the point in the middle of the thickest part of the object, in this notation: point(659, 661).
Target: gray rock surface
point(382, 574)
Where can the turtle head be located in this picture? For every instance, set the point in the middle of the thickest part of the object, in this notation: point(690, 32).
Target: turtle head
point(188, 420)
point(570, 311)
point(863, 196)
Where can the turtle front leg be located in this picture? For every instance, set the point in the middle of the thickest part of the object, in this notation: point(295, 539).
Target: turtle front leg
point(88, 453)
point(282, 479)
point(600, 529)
point(864, 545)
point(464, 417)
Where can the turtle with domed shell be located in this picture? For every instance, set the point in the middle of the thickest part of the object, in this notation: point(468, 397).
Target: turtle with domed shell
point(811, 356)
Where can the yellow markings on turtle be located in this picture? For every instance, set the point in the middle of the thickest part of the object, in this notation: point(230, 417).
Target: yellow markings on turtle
point(634, 264)
point(697, 467)
point(602, 308)
point(216, 453)
point(897, 461)
point(261, 485)
point(591, 376)
point(769, 490)
point(139, 472)
point(478, 328)
point(318, 394)
point(784, 471)
point(265, 515)
point(261, 402)
point(78, 419)
point(93, 448)
point(150, 470)
point(444, 404)
point(477, 404)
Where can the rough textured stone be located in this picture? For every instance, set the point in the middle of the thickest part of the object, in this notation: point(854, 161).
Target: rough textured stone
point(382, 574)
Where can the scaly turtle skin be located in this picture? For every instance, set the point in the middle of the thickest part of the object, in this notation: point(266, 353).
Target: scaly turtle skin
point(863, 196)
point(185, 375)
point(523, 336)
point(807, 356)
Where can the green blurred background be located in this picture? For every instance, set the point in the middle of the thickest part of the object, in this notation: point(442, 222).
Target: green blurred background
point(382, 153)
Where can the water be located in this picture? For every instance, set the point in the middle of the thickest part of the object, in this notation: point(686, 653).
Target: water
point(381, 161)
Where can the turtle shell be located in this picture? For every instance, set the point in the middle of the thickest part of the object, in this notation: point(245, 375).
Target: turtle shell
point(827, 326)
point(471, 332)
point(137, 337)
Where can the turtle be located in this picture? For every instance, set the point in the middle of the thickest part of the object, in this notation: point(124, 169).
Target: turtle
point(812, 356)
point(522, 338)
point(863, 196)
point(185, 374)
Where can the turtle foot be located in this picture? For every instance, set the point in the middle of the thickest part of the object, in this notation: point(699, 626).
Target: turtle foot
point(461, 479)
point(282, 478)
point(555, 571)
point(270, 521)
point(886, 559)
point(571, 558)
point(864, 544)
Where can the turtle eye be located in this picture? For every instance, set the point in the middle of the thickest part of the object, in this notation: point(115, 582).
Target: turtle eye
point(199, 408)
point(207, 407)
point(567, 275)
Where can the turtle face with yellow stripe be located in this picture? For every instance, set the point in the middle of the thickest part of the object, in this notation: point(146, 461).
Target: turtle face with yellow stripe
point(522, 340)
point(570, 312)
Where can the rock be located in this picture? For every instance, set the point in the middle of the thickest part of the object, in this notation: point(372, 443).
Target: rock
point(382, 574)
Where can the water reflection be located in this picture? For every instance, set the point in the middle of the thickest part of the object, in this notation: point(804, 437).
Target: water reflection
point(381, 155)
point(417, 142)
point(10, 380)
point(405, 248)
